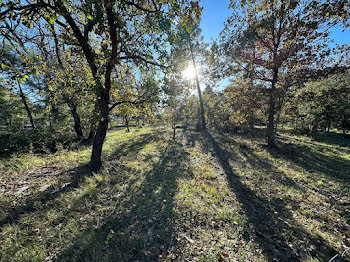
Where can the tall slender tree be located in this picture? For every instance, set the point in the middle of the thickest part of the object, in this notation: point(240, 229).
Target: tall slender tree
point(16, 72)
point(189, 48)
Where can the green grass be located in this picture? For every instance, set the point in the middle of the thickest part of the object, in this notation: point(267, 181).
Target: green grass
point(203, 197)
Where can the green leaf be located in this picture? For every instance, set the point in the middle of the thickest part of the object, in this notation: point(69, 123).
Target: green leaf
point(52, 20)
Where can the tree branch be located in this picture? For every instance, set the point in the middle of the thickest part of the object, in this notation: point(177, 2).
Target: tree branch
point(141, 7)
point(138, 57)
point(89, 54)
point(114, 40)
point(125, 102)
point(29, 7)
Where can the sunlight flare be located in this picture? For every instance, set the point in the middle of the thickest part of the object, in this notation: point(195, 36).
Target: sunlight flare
point(189, 73)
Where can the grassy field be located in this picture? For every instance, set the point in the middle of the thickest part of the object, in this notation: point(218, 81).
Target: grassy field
point(203, 197)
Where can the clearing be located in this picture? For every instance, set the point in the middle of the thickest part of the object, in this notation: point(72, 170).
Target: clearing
point(203, 197)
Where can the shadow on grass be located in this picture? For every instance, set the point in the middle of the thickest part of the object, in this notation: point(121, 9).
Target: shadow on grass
point(133, 146)
point(330, 138)
point(252, 158)
point(314, 159)
point(192, 138)
point(75, 176)
point(141, 227)
point(51, 193)
point(275, 231)
point(333, 138)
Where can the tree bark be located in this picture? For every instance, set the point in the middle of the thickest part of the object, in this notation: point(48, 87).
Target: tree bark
point(328, 125)
point(203, 123)
point(174, 128)
point(277, 119)
point(127, 123)
point(271, 112)
point(24, 100)
point(76, 118)
point(91, 132)
point(101, 131)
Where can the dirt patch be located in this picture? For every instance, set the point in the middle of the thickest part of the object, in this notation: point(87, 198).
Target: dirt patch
point(24, 183)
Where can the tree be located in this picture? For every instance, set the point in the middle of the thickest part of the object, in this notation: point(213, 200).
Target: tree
point(134, 97)
point(66, 79)
point(325, 103)
point(10, 107)
point(16, 72)
point(109, 34)
point(276, 38)
point(203, 123)
point(174, 89)
point(336, 10)
point(188, 43)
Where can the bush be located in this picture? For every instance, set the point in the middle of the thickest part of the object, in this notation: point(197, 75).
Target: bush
point(42, 140)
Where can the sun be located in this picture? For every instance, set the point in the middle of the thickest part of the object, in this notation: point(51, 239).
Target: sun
point(189, 73)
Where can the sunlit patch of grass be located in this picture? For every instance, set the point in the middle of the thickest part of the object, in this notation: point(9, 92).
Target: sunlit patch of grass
point(65, 158)
point(156, 199)
point(49, 227)
point(210, 215)
point(17, 245)
point(303, 188)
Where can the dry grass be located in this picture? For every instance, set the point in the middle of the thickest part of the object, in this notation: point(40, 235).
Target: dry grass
point(204, 197)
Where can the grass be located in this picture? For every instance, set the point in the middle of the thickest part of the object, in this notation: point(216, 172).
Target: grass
point(203, 197)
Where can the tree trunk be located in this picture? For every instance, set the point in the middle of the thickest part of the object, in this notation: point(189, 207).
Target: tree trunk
point(127, 123)
point(277, 119)
point(95, 161)
point(251, 121)
point(271, 112)
point(203, 123)
point(50, 121)
point(24, 100)
point(9, 122)
point(93, 122)
point(328, 125)
point(313, 128)
point(174, 132)
point(101, 131)
point(174, 125)
point(77, 122)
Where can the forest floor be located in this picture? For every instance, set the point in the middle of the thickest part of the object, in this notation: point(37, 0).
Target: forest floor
point(203, 197)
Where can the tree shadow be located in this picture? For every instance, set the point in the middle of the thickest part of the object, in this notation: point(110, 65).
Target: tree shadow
point(258, 163)
point(132, 146)
point(141, 227)
point(270, 220)
point(329, 138)
point(332, 138)
point(192, 138)
point(68, 181)
point(314, 159)
point(75, 177)
point(253, 160)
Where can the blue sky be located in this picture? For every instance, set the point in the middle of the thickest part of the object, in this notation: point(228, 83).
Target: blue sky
point(215, 13)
